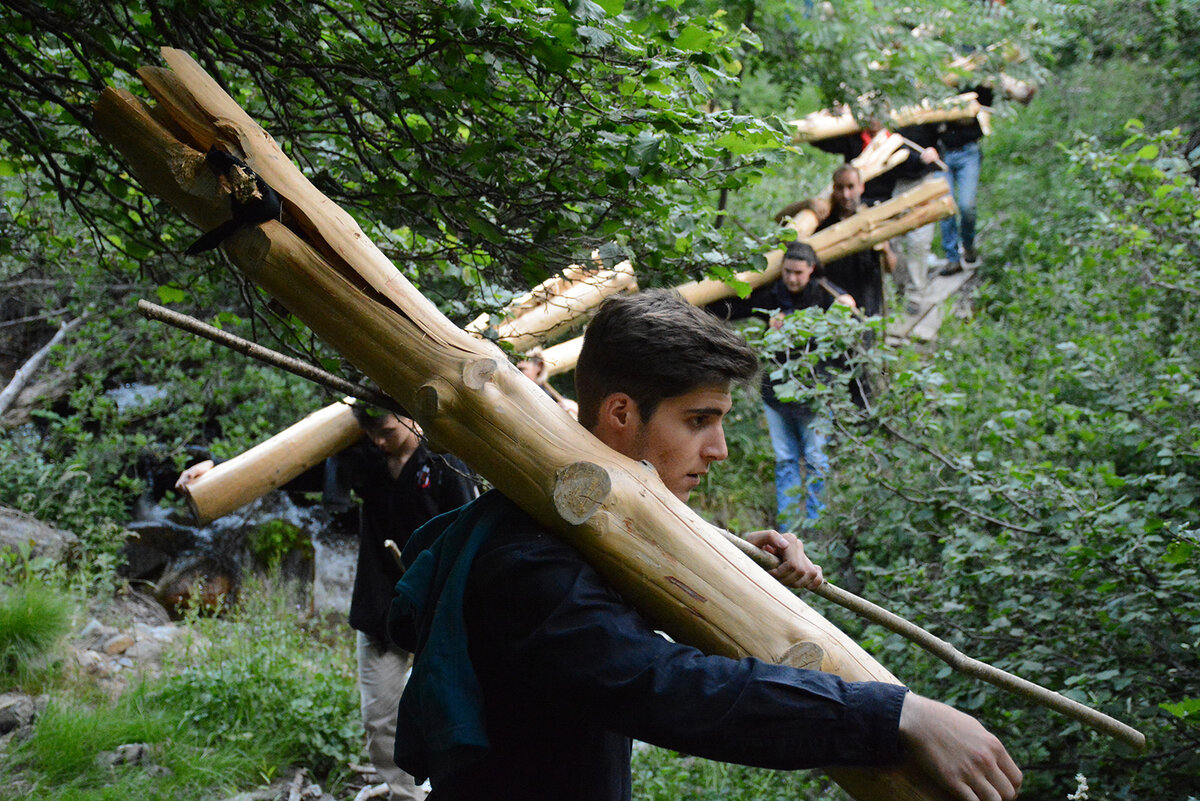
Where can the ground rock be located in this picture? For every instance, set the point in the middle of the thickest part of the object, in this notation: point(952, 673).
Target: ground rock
point(128, 754)
point(18, 714)
point(18, 528)
point(16, 710)
point(118, 643)
point(93, 662)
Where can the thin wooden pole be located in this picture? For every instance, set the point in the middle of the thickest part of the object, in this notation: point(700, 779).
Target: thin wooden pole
point(153, 311)
point(920, 149)
point(955, 658)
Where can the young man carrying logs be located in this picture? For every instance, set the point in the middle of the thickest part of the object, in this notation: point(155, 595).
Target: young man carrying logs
point(800, 460)
point(861, 273)
point(402, 485)
point(532, 674)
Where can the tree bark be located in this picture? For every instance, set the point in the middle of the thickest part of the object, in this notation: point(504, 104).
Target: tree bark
point(666, 560)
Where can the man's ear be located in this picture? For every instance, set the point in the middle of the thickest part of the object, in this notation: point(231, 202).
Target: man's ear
point(617, 421)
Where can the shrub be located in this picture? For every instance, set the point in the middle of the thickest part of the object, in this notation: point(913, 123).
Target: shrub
point(265, 677)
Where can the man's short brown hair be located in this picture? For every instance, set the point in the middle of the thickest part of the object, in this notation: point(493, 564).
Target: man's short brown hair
point(847, 168)
point(652, 346)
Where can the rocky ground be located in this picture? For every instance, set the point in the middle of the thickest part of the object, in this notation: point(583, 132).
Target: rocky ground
point(129, 636)
point(124, 637)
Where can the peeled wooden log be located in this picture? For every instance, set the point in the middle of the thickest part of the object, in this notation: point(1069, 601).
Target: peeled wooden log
point(556, 305)
point(826, 124)
point(273, 463)
point(959, 107)
point(663, 557)
point(925, 203)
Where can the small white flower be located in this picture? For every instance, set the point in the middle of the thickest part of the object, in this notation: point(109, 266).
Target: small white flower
point(1081, 789)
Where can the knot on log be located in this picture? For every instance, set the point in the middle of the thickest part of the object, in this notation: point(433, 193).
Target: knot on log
point(477, 373)
point(805, 655)
point(579, 489)
point(428, 402)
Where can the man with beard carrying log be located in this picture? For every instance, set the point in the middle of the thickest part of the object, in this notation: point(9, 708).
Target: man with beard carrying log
point(532, 674)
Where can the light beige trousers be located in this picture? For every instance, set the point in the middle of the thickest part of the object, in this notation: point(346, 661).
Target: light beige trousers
point(382, 673)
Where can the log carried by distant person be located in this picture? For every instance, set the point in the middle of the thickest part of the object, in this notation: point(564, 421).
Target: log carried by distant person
point(928, 202)
point(555, 306)
point(826, 124)
point(273, 463)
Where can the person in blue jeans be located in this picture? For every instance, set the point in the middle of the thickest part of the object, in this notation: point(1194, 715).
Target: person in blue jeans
point(794, 438)
point(958, 142)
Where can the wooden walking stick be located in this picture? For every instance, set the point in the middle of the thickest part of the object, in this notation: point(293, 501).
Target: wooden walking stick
point(920, 149)
point(832, 290)
point(955, 658)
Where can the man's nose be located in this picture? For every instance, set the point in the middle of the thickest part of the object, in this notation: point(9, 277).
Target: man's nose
point(715, 449)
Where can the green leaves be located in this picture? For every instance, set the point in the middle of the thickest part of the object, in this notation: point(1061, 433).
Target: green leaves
point(171, 293)
point(1188, 709)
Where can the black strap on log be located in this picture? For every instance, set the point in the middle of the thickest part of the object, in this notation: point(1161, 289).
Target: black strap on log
point(249, 206)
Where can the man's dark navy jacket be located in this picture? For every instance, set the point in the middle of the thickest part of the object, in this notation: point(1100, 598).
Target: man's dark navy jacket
point(570, 672)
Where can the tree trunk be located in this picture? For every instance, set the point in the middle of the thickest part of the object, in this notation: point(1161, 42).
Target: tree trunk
point(34, 363)
point(664, 558)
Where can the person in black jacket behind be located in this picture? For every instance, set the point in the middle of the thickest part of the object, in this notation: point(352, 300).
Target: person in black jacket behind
point(958, 142)
point(793, 437)
point(402, 485)
point(532, 674)
point(861, 273)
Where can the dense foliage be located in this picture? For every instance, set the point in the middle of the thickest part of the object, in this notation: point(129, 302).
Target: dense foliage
point(1028, 491)
point(1027, 488)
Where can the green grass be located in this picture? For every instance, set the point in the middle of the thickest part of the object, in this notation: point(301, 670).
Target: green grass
point(663, 775)
point(250, 695)
point(34, 619)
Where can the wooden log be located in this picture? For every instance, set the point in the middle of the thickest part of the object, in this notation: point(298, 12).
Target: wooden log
point(826, 124)
point(557, 306)
point(273, 463)
point(959, 107)
point(925, 203)
point(663, 557)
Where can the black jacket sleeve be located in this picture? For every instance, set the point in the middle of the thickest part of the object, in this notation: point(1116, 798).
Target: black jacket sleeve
point(558, 633)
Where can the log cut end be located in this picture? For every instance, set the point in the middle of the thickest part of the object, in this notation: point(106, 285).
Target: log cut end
point(477, 373)
point(804, 655)
point(579, 489)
